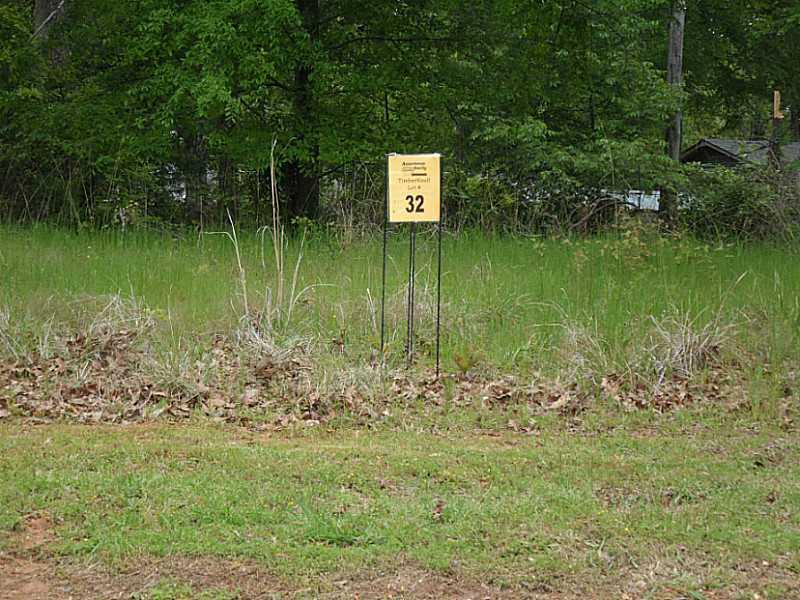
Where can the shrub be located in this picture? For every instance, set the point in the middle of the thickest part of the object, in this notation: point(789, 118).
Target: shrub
point(750, 202)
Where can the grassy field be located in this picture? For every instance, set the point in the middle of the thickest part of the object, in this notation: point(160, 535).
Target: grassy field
point(510, 302)
point(682, 507)
point(617, 418)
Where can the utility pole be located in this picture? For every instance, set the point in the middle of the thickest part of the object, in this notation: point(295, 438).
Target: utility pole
point(674, 79)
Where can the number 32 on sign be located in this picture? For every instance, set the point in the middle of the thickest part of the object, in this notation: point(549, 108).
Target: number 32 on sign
point(414, 182)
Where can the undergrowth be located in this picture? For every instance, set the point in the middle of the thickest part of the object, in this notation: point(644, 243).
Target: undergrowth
point(208, 325)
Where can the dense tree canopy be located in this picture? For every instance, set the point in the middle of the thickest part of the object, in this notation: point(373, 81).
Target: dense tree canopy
point(169, 108)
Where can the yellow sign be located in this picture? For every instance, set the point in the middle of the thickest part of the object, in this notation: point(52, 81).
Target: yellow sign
point(414, 188)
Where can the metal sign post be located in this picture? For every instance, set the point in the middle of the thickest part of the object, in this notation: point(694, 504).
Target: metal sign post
point(413, 195)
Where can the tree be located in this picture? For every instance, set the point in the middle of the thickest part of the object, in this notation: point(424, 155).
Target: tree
point(302, 171)
point(45, 14)
point(737, 52)
point(165, 94)
point(675, 79)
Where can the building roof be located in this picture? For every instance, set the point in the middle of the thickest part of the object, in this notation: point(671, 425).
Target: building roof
point(754, 151)
point(790, 153)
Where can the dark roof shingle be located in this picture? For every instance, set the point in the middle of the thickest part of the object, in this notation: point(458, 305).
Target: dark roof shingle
point(755, 151)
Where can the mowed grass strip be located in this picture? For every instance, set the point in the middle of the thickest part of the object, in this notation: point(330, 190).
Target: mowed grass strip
point(691, 508)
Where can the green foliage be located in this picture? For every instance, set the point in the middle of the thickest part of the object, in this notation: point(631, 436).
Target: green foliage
point(141, 98)
point(750, 202)
point(17, 59)
point(737, 52)
point(167, 110)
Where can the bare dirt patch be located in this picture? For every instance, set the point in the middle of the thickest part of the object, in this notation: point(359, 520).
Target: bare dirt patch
point(22, 575)
point(22, 579)
point(50, 579)
point(37, 533)
point(410, 582)
point(240, 579)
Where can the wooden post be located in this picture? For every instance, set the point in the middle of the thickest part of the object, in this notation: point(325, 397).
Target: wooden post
point(777, 113)
point(777, 128)
point(674, 78)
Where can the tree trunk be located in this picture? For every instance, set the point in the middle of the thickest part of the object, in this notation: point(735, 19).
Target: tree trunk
point(668, 203)
point(302, 189)
point(301, 176)
point(45, 14)
point(794, 118)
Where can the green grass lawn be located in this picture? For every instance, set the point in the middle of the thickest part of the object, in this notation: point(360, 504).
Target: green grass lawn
point(693, 503)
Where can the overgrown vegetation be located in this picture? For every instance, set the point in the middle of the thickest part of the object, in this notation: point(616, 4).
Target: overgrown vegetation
point(89, 330)
point(163, 112)
point(749, 203)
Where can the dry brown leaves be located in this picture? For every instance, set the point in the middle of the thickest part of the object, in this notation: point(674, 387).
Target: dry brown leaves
point(112, 377)
point(93, 380)
point(476, 390)
point(677, 391)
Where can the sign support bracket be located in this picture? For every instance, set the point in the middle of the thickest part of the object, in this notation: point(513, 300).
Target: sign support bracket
point(412, 264)
point(413, 195)
point(383, 279)
point(439, 276)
